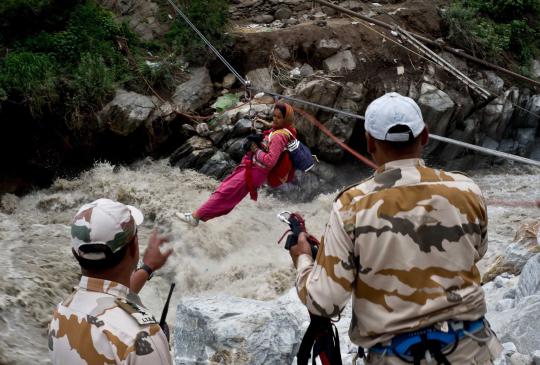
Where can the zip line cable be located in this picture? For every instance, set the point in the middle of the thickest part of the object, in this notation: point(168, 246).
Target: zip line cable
point(246, 83)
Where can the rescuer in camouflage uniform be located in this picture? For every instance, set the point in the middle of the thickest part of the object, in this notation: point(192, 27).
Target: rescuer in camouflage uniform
point(103, 321)
point(405, 243)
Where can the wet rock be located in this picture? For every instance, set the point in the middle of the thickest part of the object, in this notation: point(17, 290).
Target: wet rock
point(126, 112)
point(525, 137)
point(509, 146)
point(496, 116)
point(242, 128)
point(261, 79)
point(9, 203)
point(192, 154)
point(490, 143)
point(325, 48)
point(535, 69)
point(189, 130)
point(520, 359)
point(202, 129)
point(283, 13)
point(342, 62)
point(228, 81)
point(218, 166)
point(220, 134)
point(317, 91)
point(437, 108)
point(529, 118)
point(529, 280)
point(196, 92)
point(536, 357)
point(492, 82)
point(235, 148)
point(226, 329)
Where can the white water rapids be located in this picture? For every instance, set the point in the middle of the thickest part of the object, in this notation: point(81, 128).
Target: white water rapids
point(236, 254)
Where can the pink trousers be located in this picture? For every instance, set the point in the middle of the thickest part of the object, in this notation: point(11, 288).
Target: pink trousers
point(231, 192)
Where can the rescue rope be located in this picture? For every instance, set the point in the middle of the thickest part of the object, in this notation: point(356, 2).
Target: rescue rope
point(483, 150)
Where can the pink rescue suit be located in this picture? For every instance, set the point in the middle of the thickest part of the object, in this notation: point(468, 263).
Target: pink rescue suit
point(235, 187)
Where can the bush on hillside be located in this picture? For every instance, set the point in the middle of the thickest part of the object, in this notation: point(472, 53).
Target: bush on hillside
point(210, 17)
point(489, 27)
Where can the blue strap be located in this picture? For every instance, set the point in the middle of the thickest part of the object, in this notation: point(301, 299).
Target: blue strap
point(403, 342)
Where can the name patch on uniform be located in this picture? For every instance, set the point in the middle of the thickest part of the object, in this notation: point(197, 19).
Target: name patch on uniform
point(136, 312)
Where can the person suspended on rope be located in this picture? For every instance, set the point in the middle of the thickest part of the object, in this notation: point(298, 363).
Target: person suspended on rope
point(266, 160)
point(405, 243)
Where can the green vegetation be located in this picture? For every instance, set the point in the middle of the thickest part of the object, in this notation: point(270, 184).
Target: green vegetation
point(490, 27)
point(210, 17)
point(68, 56)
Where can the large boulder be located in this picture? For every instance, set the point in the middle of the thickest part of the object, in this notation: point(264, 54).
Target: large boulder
point(342, 62)
point(529, 118)
point(437, 108)
point(218, 166)
point(229, 330)
point(196, 92)
point(496, 116)
point(126, 112)
point(521, 327)
point(193, 154)
point(261, 79)
point(535, 69)
point(529, 280)
point(342, 127)
point(318, 91)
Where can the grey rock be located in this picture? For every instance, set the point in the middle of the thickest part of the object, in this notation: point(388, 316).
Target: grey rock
point(491, 81)
point(189, 130)
point(317, 91)
point(342, 127)
point(126, 112)
point(437, 108)
point(225, 329)
point(192, 154)
point(202, 129)
point(509, 146)
point(535, 153)
point(9, 203)
point(342, 62)
point(536, 357)
point(488, 142)
point(196, 92)
point(352, 5)
point(464, 104)
point(219, 135)
point(529, 280)
point(496, 116)
point(525, 138)
point(531, 118)
point(235, 148)
point(283, 13)
point(330, 11)
point(510, 294)
point(520, 359)
point(264, 19)
point(522, 327)
point(325, 48)
point(292, 21)
point(306, 70)
point(504, 304)
point(218, 166)
point(535, 69)
point(261, 79)
point(242, 128)
point(228, 81)
point(282, 52)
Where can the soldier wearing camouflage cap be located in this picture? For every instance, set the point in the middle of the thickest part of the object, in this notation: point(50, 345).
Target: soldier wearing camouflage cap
point(404, 243)
point(103, 321)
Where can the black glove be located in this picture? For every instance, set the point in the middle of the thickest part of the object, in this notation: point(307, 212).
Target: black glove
point(256, 138)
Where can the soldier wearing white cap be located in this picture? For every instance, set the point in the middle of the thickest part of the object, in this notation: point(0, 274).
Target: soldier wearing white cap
point(404, 244)
point(103, 321)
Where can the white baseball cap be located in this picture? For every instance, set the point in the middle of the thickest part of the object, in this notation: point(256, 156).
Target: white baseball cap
point(390, 110)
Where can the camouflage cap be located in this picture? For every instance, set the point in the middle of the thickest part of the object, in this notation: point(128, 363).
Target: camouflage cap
point(101, 224)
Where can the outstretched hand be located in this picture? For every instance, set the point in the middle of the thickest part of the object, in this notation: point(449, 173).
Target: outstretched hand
point(153, 257)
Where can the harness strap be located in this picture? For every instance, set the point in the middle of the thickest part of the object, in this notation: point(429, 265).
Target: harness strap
point(249, 180)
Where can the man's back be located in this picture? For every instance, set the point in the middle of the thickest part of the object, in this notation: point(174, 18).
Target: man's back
point(405, 242)
point(99, 324)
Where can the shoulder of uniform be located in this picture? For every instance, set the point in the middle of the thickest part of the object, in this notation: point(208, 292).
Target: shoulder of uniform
point(138, 313)
point(352, 189)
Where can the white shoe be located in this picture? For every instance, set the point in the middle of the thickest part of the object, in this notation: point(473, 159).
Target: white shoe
point(188, 218)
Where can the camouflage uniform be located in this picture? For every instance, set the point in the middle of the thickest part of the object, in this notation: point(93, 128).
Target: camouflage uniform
point(102, 323)
point(406, 243)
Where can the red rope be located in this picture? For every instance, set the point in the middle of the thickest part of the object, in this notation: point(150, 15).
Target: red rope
point(343, 145)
